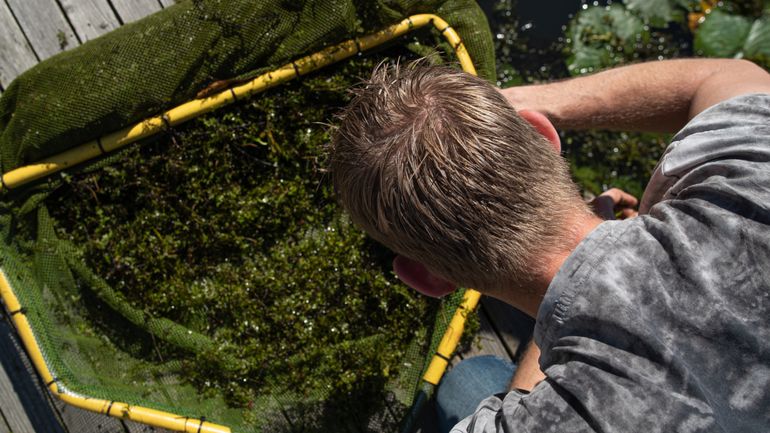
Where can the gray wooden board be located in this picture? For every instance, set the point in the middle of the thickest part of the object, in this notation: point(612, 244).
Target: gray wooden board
point(16, 56)
point(486, 341)
point(132, 10)
point(167, 3)
point(45, 26)
point(513, 327)
point(4, 427)
point(25, 405)
point(90, 18)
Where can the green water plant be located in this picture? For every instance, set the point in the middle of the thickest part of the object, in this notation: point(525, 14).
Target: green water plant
point(604, 36)
point(229, 227)
point(725, 34)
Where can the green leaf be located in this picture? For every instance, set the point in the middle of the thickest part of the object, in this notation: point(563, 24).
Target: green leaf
point(586, 59)
point(726, 35)
point(722, 34)
point(603, 37)
point(690, 5)
point(657, 12)
point(757, 43)
point(660, 12)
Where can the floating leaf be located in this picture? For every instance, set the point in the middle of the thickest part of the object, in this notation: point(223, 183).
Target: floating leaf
point(722, 35)
point(660, 12)
point(586, 59)
point(757, 43)
point(603, 37)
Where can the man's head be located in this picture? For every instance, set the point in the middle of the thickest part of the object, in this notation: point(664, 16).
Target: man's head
point(435, 164)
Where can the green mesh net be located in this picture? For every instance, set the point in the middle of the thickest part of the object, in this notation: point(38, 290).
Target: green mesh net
point(96, 340)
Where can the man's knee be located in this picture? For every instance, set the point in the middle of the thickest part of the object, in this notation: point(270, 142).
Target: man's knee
point(467, 384)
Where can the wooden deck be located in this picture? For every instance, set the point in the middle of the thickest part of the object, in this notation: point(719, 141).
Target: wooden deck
point(33, 30)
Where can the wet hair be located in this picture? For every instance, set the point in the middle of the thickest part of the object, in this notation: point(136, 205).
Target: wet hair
point(437, 165)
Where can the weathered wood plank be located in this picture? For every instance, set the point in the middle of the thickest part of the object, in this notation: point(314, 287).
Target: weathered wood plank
point(16, 56)
point(486, 342)
point(25, 406)
point(167, 3)
point(512, 326)
point(13, 412)
point(4, 427)
point(45, 26)
point(90, 18)
point(132, 10)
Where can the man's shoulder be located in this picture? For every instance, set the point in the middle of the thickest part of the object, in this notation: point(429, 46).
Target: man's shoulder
point(734, 132)
point(664, 313)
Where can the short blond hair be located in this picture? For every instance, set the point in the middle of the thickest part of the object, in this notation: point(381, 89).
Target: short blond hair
point(438, 166)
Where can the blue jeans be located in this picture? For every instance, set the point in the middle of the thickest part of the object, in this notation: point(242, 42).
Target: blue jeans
point(467, 384)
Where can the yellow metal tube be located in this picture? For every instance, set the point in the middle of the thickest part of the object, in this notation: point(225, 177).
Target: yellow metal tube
point(451, 338)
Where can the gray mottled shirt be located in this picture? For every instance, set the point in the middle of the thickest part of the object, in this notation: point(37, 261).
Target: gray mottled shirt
point(661, 323)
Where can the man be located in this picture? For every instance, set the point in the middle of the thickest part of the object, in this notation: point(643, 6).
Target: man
point(655, 323)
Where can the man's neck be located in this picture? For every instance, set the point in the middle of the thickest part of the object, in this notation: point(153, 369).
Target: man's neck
point(529, 294)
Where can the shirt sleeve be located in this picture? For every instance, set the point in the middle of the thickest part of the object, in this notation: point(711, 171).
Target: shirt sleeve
point(734, 130)
point(543, 409)
point(483, 420)
point(492, 414)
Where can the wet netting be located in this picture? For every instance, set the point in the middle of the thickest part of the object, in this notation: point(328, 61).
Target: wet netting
point(206, 272)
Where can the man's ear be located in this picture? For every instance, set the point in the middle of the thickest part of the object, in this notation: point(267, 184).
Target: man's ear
point(543, 126)
point(417, 276)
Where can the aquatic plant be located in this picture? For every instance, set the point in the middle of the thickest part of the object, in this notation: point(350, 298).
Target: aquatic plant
point(228, 226)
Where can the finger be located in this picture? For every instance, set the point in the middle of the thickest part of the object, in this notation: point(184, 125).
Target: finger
point(628, 213)
point(627, 199)
point(620, 197)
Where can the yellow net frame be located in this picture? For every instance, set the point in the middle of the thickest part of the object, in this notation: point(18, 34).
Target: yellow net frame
point(175, 116)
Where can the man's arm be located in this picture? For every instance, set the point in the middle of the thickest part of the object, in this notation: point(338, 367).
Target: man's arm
point(528, 372)
point(660, 96)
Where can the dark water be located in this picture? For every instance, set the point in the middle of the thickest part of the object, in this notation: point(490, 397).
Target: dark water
point(540, 24)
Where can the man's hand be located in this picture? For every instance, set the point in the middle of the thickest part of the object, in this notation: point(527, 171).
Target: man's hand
point(615, 203)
